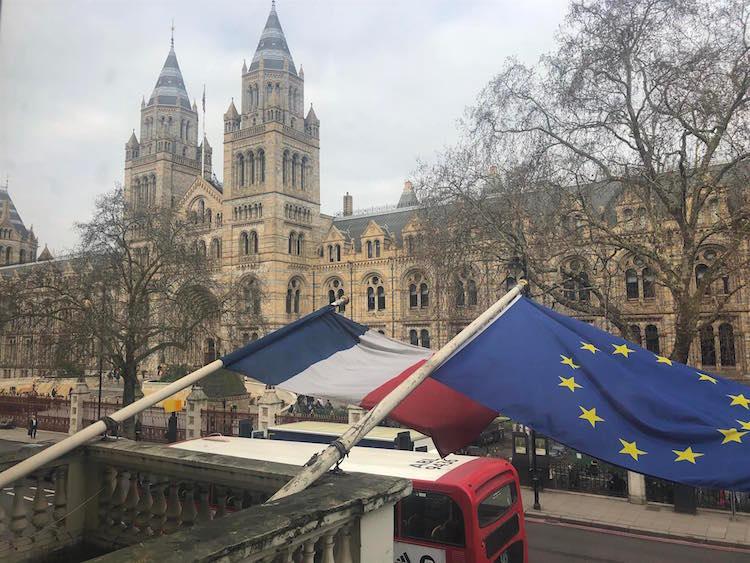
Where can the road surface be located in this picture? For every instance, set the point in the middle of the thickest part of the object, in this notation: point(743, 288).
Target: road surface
point(555, 543)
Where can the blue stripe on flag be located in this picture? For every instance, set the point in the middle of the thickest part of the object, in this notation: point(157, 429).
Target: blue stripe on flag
point(293, 348)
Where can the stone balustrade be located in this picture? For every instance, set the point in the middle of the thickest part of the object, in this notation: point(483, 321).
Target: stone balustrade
point(35, 516)
point(131, 499)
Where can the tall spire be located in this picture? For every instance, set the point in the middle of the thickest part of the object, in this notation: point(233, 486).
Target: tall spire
point(272, 47)
point(170, 87)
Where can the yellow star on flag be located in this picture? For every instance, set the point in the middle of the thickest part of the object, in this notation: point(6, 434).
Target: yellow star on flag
point(570, 383)
point(740, 400)
point(704, 377)
point(687, 455)
point(731, 435)
point(663, 360)
point(631, 449)
point(568, 362)
point(590, 347)
point(622, 349)
point(745, 425)
point(590, 415)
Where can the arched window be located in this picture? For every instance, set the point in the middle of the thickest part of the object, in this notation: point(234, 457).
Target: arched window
point(413, 297)
point(631, 284)
point(293, 296)
point(460, 294)
point(330, 253)
point(410, 244)
point(424, 296)
point(331, 296)
point(244, 244)
point(381, 298)
point(725, 287)
point(285, 168)
point(471, 293)
point(253, 242)
point(635, 334)
point(413, 338)
point(251, 297)
point(369, 249)
point(202, 248)
point(583, 287)
point(338, 253)
point(215, 249)
point(240, 170)
point(649, 290)
point(301, 245)
point(377, 249)
point(708, 348)
point(250, 168)
point(303, 173)
point(292, 242)
point(726, 345)
point(424, 336)
point(700, 273)
point(652, 339)
point(370, 298)
point(569, 289)
point(261, 166)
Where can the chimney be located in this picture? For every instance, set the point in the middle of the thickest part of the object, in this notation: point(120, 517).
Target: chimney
point(348, 205)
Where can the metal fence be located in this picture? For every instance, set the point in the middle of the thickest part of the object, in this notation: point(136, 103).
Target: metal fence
point(587, 475)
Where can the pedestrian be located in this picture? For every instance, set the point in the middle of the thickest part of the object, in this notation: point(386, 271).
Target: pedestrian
point(138, 429)
point(30, 426)
point(34, 425)
point(172, 428)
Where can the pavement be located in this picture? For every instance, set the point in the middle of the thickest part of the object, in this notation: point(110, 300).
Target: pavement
point(21, 435)
point(711, 527)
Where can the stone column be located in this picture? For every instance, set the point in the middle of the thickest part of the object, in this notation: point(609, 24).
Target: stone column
point(269, 406)
point(197, 402)
point(355, 413)
point(77, 397)
point(636, 488)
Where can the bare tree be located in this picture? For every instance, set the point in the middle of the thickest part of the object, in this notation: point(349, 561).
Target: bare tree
point(137, 286)
point(629, 141)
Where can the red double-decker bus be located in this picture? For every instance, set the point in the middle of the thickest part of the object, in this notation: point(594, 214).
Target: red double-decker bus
point(462, 509)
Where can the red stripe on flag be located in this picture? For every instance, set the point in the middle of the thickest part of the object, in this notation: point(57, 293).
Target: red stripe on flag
point(452, 419)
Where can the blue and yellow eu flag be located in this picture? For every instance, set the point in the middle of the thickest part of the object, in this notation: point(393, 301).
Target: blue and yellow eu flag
point(607, 397)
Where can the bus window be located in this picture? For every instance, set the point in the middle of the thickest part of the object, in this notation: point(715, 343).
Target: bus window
point(496, 504)
point(432, 517)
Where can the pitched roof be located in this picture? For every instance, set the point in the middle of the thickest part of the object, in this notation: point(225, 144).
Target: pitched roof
point(45, 256)
point(15, 219)
point(170, 87)
point(231, 111)
point(408, 197)
point(272, 47)
point(393, 222)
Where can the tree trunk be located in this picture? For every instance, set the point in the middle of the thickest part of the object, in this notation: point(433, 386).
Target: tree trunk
point(129, 383)
point(682, 342)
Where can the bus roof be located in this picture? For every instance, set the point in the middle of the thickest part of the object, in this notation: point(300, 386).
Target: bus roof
point(385, 433)
point(392, 463)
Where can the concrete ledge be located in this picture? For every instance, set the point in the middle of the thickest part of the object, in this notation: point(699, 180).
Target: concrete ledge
point(267, 527)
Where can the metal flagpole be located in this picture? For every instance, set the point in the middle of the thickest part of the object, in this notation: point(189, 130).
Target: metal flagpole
point(320, 463)
point(81, 437)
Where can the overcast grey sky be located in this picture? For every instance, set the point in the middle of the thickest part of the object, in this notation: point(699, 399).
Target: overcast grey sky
point(388, 79)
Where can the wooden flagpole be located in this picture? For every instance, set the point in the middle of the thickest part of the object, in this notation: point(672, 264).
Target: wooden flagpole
point(320, 463)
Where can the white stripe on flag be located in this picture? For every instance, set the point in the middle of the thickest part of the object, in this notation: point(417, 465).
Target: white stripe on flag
point(351, 374)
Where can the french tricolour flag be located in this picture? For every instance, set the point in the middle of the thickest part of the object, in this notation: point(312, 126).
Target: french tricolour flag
point(325, 354)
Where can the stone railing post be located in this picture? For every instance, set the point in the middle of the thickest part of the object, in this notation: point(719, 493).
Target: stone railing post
point(355, 413)
point(269, 406)
point(197, 402)
point(636, 488)
point(78, 396)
